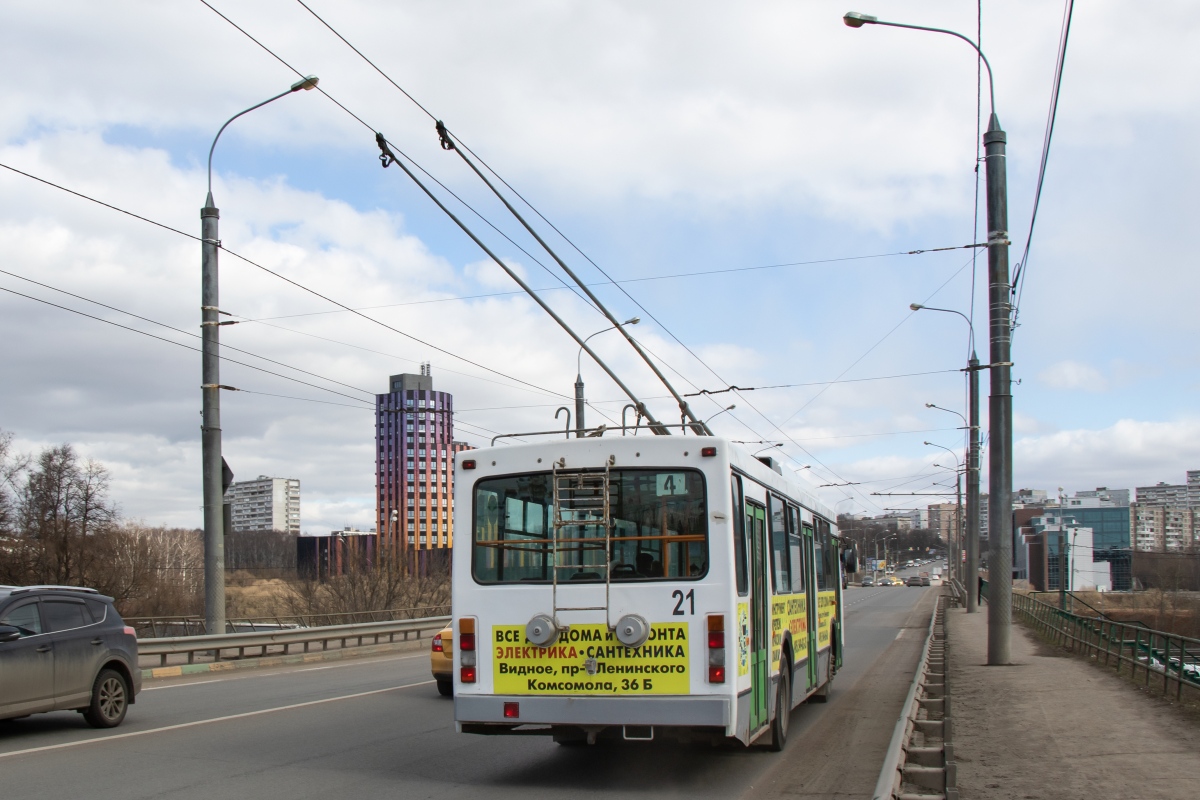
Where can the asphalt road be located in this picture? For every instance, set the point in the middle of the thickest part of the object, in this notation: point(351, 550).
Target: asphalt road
point(378, 728)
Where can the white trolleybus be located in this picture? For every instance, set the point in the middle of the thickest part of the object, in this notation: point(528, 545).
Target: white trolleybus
point(640, 587)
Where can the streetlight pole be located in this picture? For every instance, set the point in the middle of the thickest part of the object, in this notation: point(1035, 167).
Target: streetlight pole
point(958, 514)
point(1000, 527)
point(580, 402)
point(210, 388)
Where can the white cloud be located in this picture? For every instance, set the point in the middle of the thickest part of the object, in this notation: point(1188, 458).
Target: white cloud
point(1073, 375)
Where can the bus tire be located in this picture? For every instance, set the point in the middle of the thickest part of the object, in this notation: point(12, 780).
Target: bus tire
point(783, 711)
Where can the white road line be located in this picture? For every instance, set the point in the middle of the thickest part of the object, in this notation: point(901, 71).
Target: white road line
point(177, 685)
point(196, 723)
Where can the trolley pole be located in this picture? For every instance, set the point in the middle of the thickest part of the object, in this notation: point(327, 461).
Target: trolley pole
point(1000, 520)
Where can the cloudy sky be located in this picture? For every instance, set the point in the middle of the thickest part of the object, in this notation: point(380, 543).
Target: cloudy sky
point(752, 174)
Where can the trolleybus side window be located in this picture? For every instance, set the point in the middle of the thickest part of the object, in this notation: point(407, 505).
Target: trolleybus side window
point(819, 545)
point(830, 552)
point(658, 527)
point(739, 540)
point(781, 565)
point(795, 549)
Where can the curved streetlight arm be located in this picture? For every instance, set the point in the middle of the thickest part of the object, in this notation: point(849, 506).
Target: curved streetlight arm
point(855, 20)
point(970, 325)
point(305, 83)
point(949, 411)
point(948, 450)
point(579, 356)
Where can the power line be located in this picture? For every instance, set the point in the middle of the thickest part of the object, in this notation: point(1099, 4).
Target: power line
point(819, 383)
point(177, 344)
point(178, 330)
point(1019, 278)
point(286, 279)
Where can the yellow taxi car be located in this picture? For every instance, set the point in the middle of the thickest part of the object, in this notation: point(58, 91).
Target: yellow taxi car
point(892, 580)
point(441, 661)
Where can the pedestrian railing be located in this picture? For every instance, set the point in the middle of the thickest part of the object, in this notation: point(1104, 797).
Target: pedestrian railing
point(192, 625)
point(1165, 660)
point(920, 758)
point(235, 645)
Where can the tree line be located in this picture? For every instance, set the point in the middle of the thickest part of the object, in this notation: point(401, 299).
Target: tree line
point(59, 525)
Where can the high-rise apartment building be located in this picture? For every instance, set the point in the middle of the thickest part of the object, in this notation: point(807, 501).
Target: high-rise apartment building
point(414, 464)
point(266, 504)
point(1186, 495)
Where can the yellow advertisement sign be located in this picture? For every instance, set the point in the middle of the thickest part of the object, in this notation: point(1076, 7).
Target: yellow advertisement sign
point(789, 613)
point(826, 606)
point(588, 660)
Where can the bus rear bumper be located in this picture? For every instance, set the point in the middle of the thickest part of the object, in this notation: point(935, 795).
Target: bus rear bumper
point(707, 711)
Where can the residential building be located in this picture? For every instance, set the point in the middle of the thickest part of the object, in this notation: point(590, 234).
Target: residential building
point(984, 526)
point(1164, 528)
point(266, 504)
point(943, 519)
point(1186, 495)
point(414, 464)
point(1029, 497)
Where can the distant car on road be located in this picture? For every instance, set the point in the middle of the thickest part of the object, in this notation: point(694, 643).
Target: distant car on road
point(868, 581)
point(441, 660)
point(925, 581)
point(891, 580)
point(913, 580)
point(66, 648)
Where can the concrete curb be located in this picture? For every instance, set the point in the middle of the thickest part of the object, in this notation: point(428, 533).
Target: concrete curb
point(180, 670)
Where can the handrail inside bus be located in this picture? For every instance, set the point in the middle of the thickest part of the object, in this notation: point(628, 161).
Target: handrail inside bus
point(590, 432)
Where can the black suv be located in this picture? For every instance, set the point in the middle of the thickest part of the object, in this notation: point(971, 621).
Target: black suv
point(65, 648)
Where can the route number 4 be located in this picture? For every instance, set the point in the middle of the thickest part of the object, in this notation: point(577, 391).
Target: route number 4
point(679, 596)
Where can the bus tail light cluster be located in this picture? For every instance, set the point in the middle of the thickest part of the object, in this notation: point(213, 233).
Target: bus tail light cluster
point(716, 648)
point(466, 650)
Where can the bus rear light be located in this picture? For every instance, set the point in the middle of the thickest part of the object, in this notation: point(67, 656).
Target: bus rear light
point(512, 710)
point(708, 452)
point(466, 641)
point(437, 644)
point(466, 675)
point(716, 648)
point(468, 463)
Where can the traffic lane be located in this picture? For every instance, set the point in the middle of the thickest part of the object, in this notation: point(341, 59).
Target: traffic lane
point(842, 751)
point(404, 740)
point(214, 695)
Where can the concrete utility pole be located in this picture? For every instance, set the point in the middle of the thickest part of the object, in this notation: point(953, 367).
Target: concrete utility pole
point(1000, 529)
point(972, 570)
point(210, 388)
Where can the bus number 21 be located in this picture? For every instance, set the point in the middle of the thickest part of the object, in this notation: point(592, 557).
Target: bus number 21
point(679, 596)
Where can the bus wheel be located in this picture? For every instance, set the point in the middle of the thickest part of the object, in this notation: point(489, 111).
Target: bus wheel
point(783, 712)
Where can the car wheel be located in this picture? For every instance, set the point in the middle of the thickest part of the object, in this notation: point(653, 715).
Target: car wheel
point(445, 687)
point(783, 712)
point(110, 700)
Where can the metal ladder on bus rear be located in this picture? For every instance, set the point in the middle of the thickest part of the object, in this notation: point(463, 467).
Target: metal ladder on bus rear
point(581, 500)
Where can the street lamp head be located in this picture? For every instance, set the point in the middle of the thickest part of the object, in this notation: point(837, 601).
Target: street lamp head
point(930, 405)
point(853, 19)
point(915, 306)
point(632, 321)
point(306, 83)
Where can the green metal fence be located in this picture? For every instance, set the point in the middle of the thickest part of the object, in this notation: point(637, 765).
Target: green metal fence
point(1160, 658)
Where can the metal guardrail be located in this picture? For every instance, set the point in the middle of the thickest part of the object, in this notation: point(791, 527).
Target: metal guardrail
point(216, 644)
point(193, 625)
point(1159, 655)
point(920, 758)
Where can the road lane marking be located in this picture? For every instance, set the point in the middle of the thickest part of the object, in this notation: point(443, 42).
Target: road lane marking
point(196, 723)
point(177, 685)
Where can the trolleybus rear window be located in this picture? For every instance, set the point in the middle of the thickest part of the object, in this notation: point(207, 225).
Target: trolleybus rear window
point(658, 523)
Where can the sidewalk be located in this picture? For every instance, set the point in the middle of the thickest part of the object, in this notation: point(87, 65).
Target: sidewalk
point(1052, 725)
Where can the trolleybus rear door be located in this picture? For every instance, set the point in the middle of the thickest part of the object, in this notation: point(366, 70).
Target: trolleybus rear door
point(814, 588)
point(760, 618)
